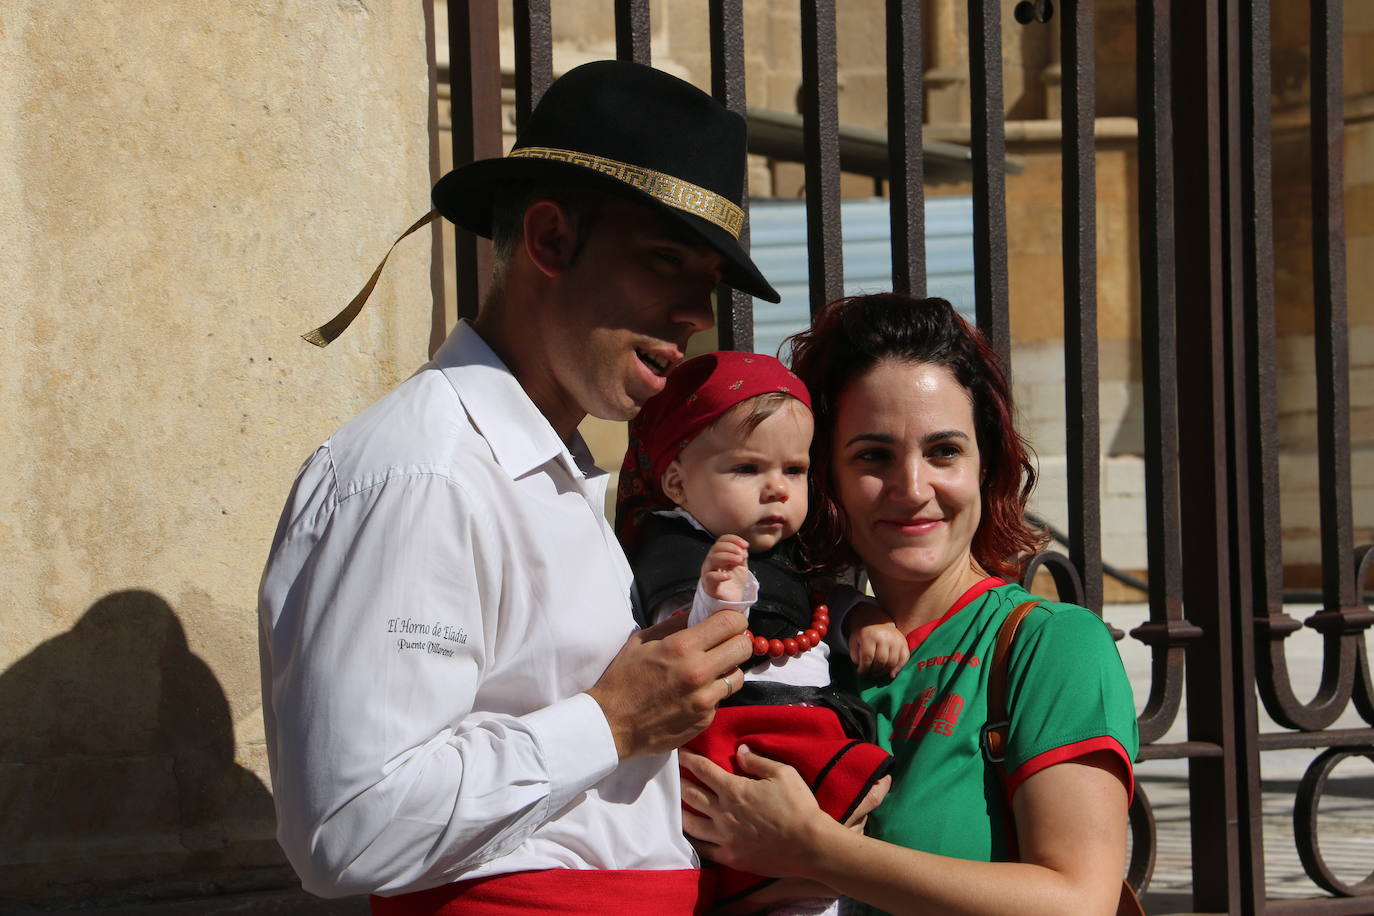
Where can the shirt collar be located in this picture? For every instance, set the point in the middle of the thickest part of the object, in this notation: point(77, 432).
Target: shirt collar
point(682, 513)
point(520, 437)
point(919, 635)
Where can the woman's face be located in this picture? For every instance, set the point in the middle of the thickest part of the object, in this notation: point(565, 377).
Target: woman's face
point(907, 472)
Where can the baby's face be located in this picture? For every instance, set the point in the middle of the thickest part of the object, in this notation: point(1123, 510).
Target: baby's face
point(751, 484)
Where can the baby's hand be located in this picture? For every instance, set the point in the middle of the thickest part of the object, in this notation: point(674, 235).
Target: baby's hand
point(875, 643)
point(725, 571)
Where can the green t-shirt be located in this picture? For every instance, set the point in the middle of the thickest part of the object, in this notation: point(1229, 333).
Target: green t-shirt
point(1067, 695)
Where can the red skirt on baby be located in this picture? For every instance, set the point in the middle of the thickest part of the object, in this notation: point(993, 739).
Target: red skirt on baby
point(838, 769)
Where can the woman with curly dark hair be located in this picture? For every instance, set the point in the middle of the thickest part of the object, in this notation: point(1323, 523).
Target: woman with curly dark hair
point(920, 480)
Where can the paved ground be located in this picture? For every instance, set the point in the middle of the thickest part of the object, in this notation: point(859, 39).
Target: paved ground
point(1345, 815)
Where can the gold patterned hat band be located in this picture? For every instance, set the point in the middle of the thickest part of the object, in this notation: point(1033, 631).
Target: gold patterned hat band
point(674, 192)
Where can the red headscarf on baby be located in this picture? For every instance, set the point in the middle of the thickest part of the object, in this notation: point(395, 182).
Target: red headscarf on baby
point(698, 392)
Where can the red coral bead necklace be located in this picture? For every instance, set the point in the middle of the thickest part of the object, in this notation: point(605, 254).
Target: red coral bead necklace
point(793, 646)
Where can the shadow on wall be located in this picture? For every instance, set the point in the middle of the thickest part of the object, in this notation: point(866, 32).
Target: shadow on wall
point(117, 768)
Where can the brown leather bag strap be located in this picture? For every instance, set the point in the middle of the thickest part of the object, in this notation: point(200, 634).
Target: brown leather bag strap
point(995, 732)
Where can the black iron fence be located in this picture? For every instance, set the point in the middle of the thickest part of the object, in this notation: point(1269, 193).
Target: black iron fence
point(1217, 619)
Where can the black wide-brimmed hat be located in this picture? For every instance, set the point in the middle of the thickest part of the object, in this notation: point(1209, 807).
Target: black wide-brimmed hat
point(635, 132)
point(623, 128)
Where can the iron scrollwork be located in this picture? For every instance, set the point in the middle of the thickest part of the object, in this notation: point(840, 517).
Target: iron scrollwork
point(1144, 842)
point(1067, 583)
point(1345, 663)
point(1305, 823)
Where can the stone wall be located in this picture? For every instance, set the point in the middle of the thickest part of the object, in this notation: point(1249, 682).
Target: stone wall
point(185, 188)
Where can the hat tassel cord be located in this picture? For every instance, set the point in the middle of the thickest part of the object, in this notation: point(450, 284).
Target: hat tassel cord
point(326, 333)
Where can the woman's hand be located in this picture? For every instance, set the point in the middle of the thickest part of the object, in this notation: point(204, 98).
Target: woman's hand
point(791, 890)
point(766, 822)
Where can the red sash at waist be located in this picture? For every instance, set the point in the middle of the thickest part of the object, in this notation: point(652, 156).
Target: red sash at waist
point(572, 891)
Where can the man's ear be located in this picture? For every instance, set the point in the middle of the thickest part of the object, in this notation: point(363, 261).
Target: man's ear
point(672, 483)
point(550, 236)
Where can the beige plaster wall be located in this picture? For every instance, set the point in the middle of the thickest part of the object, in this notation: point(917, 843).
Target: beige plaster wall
point(184, 189)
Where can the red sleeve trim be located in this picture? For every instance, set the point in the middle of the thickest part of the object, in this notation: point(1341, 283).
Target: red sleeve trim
point(1072, 752)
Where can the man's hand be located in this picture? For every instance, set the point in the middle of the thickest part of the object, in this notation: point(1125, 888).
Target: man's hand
point(725, 571)
point(876, 793)
point(663, 687)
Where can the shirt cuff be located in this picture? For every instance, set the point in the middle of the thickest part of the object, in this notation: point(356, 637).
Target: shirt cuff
point(1073, 751)
point(703, 605)
point(576, 743)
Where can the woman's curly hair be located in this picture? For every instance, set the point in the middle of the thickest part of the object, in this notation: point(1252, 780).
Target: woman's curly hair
point(852, 335)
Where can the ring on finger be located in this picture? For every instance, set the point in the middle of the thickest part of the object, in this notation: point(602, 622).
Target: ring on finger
point(729, 687)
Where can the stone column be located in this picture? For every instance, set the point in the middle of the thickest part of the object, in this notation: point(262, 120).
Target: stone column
point(1052, 76)
point(946, 82)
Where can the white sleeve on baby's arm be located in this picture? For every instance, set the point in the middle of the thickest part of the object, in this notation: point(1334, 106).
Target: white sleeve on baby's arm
point(703, 605)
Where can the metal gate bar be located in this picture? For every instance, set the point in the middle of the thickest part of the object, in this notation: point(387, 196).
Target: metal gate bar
point(1079, 234)
point(905, 152)
point(1339, 589)
point(821, 143)
point(734, 309)
point(1206, 558)
point(1236, 54)
point(475, 96)
point(989, 144)
point(632, 30)
point(1167, 632)
point(533, 55)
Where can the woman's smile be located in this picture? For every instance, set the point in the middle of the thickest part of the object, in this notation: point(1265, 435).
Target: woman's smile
point(913, 527)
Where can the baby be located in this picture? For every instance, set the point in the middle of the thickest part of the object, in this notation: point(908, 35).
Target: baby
point(712, 493)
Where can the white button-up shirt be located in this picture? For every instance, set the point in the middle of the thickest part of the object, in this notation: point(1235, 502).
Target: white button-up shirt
point(442, 588)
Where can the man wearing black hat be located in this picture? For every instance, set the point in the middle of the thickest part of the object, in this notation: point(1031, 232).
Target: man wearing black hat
point(455, 718)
